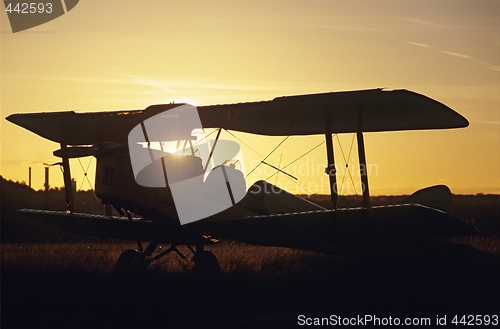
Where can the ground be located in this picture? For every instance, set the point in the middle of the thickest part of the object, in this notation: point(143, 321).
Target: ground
point(54, 280)
point(53, 285)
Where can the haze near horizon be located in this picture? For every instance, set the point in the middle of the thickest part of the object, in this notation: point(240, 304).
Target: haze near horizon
point(131, 54)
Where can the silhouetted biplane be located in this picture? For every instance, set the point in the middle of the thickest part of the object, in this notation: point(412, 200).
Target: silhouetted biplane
point(265, 214)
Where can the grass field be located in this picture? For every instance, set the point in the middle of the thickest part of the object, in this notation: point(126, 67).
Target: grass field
point(52, 285)
point(56, 280)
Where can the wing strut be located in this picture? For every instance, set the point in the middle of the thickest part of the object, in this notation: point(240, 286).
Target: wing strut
point(68, 186)
point(331, 171)
point(212, 150)
point(363, 169)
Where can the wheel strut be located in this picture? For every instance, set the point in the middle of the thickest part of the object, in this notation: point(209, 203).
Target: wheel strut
point(134, 232)
point(169, 250)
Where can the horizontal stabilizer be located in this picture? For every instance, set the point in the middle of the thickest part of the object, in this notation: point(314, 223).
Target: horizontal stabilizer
point(265, 198)
point(437, 197)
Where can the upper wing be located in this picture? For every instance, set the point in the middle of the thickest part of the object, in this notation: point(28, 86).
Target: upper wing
point(350, 111)
point(86, 128)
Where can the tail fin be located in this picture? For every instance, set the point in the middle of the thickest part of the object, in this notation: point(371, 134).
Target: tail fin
point(438, 197)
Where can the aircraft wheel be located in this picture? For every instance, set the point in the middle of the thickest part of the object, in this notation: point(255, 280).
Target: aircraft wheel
point(206, 263)
point(130, 261)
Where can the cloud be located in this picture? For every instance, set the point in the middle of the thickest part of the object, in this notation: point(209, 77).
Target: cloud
point(494, 68)
point(489, 122)
point(457, 55)
point(486, 65)
point(150, 82)
point(423, 22)
point(171, 85)
point(423, 45)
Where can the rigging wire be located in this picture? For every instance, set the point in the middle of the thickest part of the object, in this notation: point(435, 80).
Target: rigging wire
point(348, 157)
point(278, 169)
point(85, 177)
point(201, 140)
point(242, 142)
point(300, 157)
point(346, 164)
point(251, 171)
point(279, 164)
point(300, 184)
point(293, 178)
point(91, 187)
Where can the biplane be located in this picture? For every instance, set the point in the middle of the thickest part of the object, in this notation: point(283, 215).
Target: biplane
point(266, 215)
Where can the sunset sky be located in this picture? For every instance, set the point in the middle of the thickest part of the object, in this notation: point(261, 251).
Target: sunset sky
point(110, 55)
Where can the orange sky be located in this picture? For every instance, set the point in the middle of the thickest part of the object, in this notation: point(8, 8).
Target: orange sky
point(109, 55)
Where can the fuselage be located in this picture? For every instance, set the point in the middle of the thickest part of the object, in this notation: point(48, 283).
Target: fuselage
point(115, 184)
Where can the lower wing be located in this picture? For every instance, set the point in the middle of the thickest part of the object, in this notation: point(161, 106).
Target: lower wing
point(301, 230)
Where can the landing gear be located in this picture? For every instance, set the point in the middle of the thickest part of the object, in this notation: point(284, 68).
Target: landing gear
point(205, 263)
point(130, 262)
point(133, 261)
